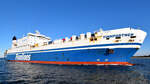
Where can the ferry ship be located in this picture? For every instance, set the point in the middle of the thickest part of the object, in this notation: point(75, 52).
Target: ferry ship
point(111, 47)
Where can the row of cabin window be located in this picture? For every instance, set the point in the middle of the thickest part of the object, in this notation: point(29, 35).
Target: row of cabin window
point(120, 37)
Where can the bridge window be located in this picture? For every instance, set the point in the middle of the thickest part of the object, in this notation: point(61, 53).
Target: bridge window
point(85, 36)
point(118, 37)
point(93, 35)
point(77, 38)
point(107, 38)
point(133, 37)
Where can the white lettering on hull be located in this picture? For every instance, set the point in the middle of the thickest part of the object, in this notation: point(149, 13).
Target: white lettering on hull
point(22, 56)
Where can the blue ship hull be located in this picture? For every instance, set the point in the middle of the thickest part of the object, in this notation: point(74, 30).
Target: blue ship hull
point(84, 56)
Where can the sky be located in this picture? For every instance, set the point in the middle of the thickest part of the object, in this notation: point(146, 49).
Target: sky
point(64, 18)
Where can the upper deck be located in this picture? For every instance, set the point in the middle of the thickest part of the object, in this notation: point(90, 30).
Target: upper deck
point(124, 35)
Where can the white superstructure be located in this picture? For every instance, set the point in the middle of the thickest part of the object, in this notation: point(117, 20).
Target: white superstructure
point(38, 41)
point(30, 41)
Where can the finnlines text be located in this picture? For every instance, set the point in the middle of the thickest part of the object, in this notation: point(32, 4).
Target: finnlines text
point(22, 57)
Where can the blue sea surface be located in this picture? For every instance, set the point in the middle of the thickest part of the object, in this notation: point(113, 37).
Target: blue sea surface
point(30, 73)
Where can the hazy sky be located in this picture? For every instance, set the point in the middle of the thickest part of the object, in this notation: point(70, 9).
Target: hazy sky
point(63, 18)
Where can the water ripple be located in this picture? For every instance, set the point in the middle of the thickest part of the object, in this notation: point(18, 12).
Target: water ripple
point(25, 73)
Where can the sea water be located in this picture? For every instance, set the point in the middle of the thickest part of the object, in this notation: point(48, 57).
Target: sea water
point(30, 73)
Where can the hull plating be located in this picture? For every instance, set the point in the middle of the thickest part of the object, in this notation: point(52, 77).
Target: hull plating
point(120, 56)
